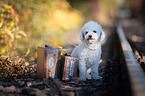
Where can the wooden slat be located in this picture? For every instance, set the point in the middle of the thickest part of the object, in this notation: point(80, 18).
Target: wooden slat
point(40, 62)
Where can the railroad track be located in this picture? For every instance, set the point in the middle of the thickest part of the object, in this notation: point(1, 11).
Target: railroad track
point(135, 72)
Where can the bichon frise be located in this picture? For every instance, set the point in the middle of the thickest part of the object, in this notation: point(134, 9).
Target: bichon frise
point(89, 51)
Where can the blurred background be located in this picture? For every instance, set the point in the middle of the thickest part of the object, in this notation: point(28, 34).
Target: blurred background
point(26, 24)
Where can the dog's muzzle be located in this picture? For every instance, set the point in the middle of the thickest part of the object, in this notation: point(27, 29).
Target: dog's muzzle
point(90, 38)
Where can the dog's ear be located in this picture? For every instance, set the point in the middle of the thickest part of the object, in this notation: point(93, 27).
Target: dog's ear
point(82, 35)
point(102, 36)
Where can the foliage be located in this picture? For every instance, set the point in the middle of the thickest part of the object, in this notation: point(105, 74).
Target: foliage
point(14, 66)
point(9, 30)
point(45, 22)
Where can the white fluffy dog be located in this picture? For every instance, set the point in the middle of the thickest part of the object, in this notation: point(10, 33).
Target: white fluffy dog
point(89, 51)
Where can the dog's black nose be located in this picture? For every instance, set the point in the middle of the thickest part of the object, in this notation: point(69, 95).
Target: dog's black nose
point(90, 36)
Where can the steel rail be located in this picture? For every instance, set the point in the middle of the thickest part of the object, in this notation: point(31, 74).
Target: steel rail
point(135, 72)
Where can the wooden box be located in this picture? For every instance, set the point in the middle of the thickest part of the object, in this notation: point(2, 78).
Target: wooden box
point(48, 59)
point(70, 66)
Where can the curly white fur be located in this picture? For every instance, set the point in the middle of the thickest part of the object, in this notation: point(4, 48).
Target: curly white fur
point(89, 51)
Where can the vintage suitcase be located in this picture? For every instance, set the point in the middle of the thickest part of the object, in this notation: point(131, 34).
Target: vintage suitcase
point(70, 67)
point(48, 59)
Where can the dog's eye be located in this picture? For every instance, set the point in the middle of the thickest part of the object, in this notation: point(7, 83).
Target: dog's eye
point(94, 31)
point(87, 32)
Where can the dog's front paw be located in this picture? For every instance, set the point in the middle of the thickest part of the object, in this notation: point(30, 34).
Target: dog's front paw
point(89, 73)
point(97, 77)
point(82, 78)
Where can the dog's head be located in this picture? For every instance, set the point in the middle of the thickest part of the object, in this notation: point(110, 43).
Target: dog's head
point(92, 32)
